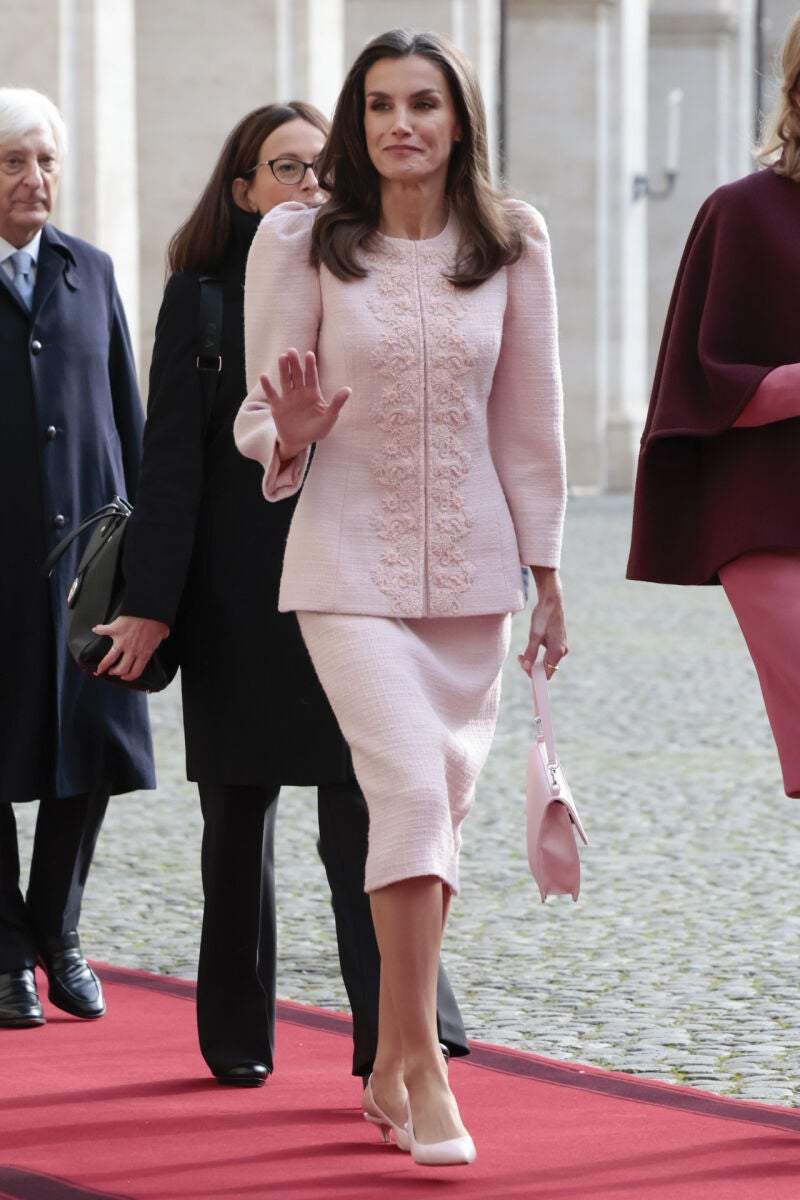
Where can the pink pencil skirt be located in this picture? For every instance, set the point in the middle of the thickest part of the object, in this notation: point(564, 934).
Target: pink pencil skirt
point(764, 592)
point(417, 701)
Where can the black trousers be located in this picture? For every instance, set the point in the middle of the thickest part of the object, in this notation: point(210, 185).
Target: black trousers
point(237, 969)
point(63, 847)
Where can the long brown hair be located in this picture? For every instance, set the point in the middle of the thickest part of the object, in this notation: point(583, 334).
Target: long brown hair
point(347, 221)
point(201, 241)
point(780, 137)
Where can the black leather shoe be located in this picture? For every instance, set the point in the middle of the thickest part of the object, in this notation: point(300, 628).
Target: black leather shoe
point(251, 1074)
point(73, 985)
point(20, 1006)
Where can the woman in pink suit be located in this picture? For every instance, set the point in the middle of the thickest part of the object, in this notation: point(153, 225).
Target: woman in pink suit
point(408, 328)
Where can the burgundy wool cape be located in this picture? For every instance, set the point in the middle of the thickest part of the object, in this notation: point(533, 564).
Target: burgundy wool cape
point(706, 492)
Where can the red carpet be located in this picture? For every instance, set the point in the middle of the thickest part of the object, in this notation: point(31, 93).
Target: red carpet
point(122, 1107)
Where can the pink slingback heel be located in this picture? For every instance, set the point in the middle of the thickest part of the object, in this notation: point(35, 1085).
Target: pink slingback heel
point(386, 1124)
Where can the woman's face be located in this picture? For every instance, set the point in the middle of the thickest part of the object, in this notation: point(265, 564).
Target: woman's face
point(262, 191)
point(410, 120)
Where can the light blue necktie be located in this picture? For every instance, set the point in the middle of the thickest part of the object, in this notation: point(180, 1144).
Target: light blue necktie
point(22, 262)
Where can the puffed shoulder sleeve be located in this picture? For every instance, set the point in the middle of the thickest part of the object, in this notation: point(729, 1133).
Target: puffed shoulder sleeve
point(526, 420)
point(282, 310)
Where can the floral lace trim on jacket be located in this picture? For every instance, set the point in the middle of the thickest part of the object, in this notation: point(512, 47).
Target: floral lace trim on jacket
point(421, 356)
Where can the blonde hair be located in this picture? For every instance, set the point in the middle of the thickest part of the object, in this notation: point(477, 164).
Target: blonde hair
point(779, 145)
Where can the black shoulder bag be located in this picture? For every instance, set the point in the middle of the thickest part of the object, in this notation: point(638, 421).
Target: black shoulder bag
point(96, 595)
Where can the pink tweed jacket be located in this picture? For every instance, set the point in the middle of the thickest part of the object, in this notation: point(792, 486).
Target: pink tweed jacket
point(445, 470)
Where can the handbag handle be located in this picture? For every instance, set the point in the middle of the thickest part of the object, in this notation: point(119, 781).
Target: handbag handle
point(541, 709)
point(116, 507)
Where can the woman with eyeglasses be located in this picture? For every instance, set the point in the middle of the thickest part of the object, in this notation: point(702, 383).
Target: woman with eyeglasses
point(203, 563)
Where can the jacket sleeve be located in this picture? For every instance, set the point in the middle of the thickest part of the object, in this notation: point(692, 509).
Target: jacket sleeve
point(128, 411)
point(282, 310)
point(160, 537)
point(526, 404)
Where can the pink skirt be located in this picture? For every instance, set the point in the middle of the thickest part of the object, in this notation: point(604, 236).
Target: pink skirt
point(417, 701)
point(764, 592)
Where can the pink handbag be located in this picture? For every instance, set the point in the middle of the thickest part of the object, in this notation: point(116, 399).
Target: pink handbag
point(551, 815)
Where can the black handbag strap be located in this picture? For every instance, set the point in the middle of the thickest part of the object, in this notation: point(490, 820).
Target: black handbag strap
point(116, 508)
point(209, 341)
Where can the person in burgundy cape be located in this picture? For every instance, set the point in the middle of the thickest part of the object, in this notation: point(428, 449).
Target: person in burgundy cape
point(717, 497)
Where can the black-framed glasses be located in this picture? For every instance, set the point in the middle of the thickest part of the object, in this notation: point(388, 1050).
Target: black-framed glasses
point(288, 169)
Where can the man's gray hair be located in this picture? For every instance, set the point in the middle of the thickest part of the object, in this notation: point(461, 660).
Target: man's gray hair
point(23, 110)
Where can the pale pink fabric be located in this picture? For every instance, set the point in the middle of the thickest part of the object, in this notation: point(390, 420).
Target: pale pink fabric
point(776, 399)
point(445, 470)
point(417, 701)
point(764, 591)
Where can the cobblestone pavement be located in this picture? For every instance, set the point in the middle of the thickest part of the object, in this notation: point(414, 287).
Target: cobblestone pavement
point(680, 960)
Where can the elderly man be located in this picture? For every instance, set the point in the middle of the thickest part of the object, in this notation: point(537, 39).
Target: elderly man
point(70, 431)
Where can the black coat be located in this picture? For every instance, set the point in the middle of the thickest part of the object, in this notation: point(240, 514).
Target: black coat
point(204, 554)
point(70, 437)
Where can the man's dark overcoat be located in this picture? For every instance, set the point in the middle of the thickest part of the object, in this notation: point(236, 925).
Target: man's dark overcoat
point(707, 492)
point(204, 554)
point(70, 438)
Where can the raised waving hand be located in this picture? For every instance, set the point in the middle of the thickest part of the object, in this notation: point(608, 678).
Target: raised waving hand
point(301, 413)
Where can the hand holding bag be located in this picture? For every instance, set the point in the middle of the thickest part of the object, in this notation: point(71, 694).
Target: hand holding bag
point(96, 598)
point(551, 813)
